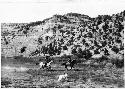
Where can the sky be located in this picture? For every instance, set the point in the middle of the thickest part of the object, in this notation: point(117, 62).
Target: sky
point(25, 11)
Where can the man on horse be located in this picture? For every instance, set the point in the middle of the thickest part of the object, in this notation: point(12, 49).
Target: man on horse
point(70, 63)
point(47, 59)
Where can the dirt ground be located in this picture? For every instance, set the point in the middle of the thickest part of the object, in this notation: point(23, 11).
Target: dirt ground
point(82, 76)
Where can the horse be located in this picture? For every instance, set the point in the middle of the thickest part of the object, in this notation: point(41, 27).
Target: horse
point(70, 63)
point(60, 77)
point(41, 64)
point(48, 65)
point(45, 65)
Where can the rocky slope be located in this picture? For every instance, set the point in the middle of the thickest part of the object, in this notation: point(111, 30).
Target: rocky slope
point(68, 34)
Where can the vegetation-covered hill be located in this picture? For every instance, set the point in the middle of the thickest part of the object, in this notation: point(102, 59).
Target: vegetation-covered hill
point(68, 34)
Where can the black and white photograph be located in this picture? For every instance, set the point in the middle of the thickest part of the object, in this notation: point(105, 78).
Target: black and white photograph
point(62, 43)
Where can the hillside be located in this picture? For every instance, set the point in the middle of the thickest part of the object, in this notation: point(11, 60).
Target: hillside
point(70, 34)
point(95, 45)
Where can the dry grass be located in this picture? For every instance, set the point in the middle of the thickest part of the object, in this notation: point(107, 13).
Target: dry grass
point(82, 76)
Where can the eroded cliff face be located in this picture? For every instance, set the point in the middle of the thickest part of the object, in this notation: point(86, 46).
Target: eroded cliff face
point(68, 34)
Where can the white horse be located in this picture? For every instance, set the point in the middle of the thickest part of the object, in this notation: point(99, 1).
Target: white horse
point(41, 64)
point(61, 77)
point(45, 65)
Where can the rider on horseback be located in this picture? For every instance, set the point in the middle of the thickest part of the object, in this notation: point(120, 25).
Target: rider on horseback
point(47, 59)
point(70, 63)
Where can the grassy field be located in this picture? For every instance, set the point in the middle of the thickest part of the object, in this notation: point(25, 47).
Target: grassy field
point(82, 76)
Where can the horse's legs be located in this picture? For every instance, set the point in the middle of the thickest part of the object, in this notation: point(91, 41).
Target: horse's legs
point(66, 67)
point(43, 66)
point(72, 66)
point(49, 67)
point(40, 67)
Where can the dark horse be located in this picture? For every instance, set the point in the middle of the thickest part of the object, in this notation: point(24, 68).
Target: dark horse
point(70, 63)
